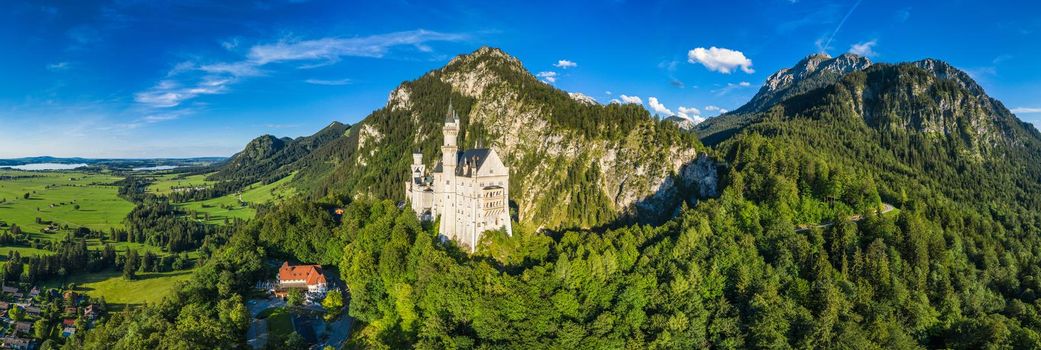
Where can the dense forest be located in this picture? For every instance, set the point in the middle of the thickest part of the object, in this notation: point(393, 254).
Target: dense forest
point(801, 249)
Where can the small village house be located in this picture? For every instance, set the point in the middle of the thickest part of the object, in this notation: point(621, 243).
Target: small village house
point(23, 327)
point(17, 343)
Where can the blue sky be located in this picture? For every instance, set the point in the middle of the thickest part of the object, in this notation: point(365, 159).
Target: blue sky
point(142, 78)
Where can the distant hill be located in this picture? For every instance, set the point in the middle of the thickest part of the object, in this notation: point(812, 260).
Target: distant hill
point(268, 158)
point(114, 162)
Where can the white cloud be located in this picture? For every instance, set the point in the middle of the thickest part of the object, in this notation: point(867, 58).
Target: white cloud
point(328, 82)
point(716, 109)
point(690, 113)
point(549, 77)
point(332, 49)
point(1023, 110)
point(169, 93)
point(56, 67)
point(235, 69)
point(731, 87)
point(565, 64)
point(720, 59)
point(659, 108)
point(230, 44)
point(631, 99)
point(608, 92)
point(866, 49)
point(188, 80)
point(155, 118)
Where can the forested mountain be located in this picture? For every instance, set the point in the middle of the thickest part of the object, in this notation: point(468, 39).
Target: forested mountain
point(795, 252)
point(813, 72)
point(572, 163)
point(270, 158)
point(956, 266)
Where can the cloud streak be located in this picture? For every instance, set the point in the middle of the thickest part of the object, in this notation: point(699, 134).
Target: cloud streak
point(188, 80)
point(1025, 110)
point(336, 82)
point(838, 27)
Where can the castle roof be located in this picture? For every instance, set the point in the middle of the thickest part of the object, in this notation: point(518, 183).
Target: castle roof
point(479, 157)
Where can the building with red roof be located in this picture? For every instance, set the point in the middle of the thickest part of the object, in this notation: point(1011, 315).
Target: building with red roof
point(308, 277)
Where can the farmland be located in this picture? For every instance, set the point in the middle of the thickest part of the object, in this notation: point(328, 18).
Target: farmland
point(64, 198)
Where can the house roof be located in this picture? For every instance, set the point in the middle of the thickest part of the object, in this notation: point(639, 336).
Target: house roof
point(311, 274)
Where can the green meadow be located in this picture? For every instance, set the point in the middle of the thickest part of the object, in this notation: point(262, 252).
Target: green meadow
point(168, 183)
point(54, 196)
point(231, 206)
point(149, 287)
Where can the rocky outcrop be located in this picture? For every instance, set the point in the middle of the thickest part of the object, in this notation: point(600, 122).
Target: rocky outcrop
point(559, 171)
point(814, 71)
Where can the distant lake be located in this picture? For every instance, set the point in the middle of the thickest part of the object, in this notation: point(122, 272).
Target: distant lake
point(157, 167)
point(47, 166)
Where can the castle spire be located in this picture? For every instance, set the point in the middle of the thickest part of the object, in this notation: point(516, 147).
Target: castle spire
point(450, 116)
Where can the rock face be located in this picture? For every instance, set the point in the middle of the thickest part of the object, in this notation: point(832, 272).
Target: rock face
point(682, 123)
point(573, 162)
point(933, 98)
point(814, 71)
point(580, 97)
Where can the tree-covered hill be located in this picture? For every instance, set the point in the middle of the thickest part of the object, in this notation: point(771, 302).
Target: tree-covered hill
point(572, 163)
point(793, 253)
point(268, 158)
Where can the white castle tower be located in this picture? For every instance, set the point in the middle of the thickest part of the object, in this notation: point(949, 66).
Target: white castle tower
point(468, 190)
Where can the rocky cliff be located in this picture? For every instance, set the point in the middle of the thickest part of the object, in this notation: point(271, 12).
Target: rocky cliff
point(573, 163)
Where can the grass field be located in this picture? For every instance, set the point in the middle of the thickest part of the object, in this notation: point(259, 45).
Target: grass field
point(166, 183)
point(280, 323)
point(53, 196)
point(119, 292)
point(231, 207)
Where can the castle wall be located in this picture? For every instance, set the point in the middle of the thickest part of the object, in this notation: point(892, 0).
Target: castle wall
point(468, 204)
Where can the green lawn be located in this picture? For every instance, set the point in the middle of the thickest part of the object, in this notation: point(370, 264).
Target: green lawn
point(166, 183)
point(119, 292)
point(280, 323)
point(53, 197)
point(231, 207)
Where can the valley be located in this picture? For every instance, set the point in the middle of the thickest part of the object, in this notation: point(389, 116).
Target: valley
point(48, 207)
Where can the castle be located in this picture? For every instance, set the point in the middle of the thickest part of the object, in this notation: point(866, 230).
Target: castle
point(469, 190)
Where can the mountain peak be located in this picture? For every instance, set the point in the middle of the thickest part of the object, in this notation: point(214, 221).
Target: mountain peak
point(944, 70)
point(483, 54)
point(814, 71)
